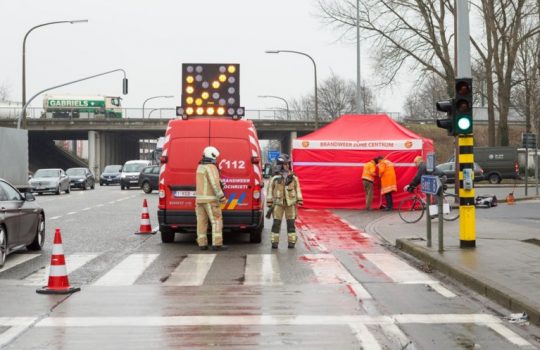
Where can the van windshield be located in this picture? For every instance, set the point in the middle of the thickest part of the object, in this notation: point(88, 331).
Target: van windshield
point(112, 169)
point(133, 168)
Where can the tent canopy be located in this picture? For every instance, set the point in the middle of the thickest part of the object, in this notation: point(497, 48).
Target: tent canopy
point(329, 161)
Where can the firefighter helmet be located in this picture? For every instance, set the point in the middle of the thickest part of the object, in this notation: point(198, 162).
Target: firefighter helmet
point(211, 152)
point(282, 159)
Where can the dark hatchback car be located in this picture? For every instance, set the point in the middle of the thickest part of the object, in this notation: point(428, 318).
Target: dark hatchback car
point(449, 170)
point(110, 175)
point(81, 178)
point(22, 221)
point(149, 178)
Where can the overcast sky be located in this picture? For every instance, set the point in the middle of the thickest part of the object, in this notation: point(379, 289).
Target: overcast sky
point(151, 39)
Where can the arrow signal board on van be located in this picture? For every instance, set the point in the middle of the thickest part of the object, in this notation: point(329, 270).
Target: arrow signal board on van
point(210, 90)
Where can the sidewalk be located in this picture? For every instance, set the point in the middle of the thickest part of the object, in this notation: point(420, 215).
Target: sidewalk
point(503, 266)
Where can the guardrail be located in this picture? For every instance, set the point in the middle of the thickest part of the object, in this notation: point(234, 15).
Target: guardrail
point(170, 113)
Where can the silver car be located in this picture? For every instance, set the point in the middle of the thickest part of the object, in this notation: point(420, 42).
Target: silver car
point(50, 180)
point(22, 221)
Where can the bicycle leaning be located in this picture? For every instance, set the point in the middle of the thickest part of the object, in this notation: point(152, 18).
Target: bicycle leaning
point(411, 209)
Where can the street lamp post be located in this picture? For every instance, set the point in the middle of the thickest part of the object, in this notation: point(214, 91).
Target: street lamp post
point(280, 98)
point(358, 70)
point(315, 71)
point(124, 88)
point(151, 98)
point(24, 54)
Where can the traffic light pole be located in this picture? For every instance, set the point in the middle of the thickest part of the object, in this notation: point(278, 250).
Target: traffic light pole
point(467, 210)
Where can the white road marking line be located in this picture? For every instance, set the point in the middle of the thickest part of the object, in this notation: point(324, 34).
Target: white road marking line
point(111, 202)
point(85, 209)
point(401, 272)
point(100, 205)
point(395, 334)
point(364, 336)
point(352, 227)
point(55, 217)
point(354, 321)
point(14, 260)
point(127, 271)
point(192, 270)
point(329, 270)
point(71, 213)
point(73, 262)
point(509, 334)
point(17, 324)
point(263, 270)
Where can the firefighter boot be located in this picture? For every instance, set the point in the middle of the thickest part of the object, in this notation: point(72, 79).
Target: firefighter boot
point(276, 227)
point(291, 233)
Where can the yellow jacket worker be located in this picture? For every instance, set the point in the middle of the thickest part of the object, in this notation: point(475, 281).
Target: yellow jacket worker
point(208, 198)
point(283, 195)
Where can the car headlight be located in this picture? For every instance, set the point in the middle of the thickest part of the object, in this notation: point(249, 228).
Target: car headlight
point(123, 176)
point(80, 180)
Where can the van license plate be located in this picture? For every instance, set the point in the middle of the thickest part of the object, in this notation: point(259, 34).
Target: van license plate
point(184, 193)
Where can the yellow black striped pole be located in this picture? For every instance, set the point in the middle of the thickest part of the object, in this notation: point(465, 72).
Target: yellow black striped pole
point(467, 210)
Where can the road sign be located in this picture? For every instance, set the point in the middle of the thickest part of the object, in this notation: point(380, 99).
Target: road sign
point(430, 162)
point(528, 140)
point(430, 184)
point(272, 155)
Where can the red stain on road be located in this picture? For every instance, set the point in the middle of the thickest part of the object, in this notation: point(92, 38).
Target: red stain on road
point(324, 231)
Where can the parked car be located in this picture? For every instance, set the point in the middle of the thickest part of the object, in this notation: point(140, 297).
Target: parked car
point(110, 175)
point(81, 178)
point(129, 177)
point(50, 180)
point(22, 221)
point(449, 170)
point(149, 178)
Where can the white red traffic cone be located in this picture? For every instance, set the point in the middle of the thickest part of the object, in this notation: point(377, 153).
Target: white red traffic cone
point(58, 279)
point(145, 227)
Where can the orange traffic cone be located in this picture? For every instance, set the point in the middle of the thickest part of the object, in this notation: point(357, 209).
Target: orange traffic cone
point(58, 279)
point(510, 200)
point(145, 227)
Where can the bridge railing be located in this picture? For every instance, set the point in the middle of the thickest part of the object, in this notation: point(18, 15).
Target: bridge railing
point(170, 113)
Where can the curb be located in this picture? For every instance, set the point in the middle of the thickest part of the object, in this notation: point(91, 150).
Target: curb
point(487, 288)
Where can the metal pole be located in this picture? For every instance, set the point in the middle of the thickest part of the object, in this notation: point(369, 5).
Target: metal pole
point(151, 98)
point(23, 110)
point(315, 74)
point(428, 220)
point(358, 66)
point(280, 98)
point(24, 56)
point(526, 168)
point(440, 213)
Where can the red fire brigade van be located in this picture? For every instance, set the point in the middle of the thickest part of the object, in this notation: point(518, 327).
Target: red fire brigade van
point(240, 168)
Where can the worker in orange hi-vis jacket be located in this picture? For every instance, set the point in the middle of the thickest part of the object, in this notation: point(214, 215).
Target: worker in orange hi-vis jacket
point(387, 174)
point(368, 177)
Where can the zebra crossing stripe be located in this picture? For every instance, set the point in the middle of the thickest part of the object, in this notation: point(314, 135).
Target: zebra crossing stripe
point(17, 259)
point(262, 269)
point(329, 270)
point(401, 272)
point(192, 270)
point(73, 262)
point(17, 326)
point(364, 336)
point(127, 271)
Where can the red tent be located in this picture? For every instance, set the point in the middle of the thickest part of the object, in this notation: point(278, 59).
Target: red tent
point(329, 161)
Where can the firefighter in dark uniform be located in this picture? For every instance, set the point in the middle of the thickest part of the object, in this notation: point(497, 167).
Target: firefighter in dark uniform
point(282, 197)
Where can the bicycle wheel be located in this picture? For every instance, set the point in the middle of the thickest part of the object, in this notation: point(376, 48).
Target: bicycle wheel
point(411, 209)
point(453, 214)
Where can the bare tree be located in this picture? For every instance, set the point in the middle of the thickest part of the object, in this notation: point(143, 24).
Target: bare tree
point(414, 33)
point(4, 92)
point(420, 104)
point(336, 96)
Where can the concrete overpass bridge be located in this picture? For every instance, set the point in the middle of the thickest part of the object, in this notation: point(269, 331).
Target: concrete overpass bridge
point(114, 141)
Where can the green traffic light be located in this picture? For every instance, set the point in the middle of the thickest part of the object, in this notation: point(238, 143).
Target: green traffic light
point(464, 124)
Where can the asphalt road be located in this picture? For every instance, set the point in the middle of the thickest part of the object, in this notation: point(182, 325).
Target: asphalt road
point(340, 288)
